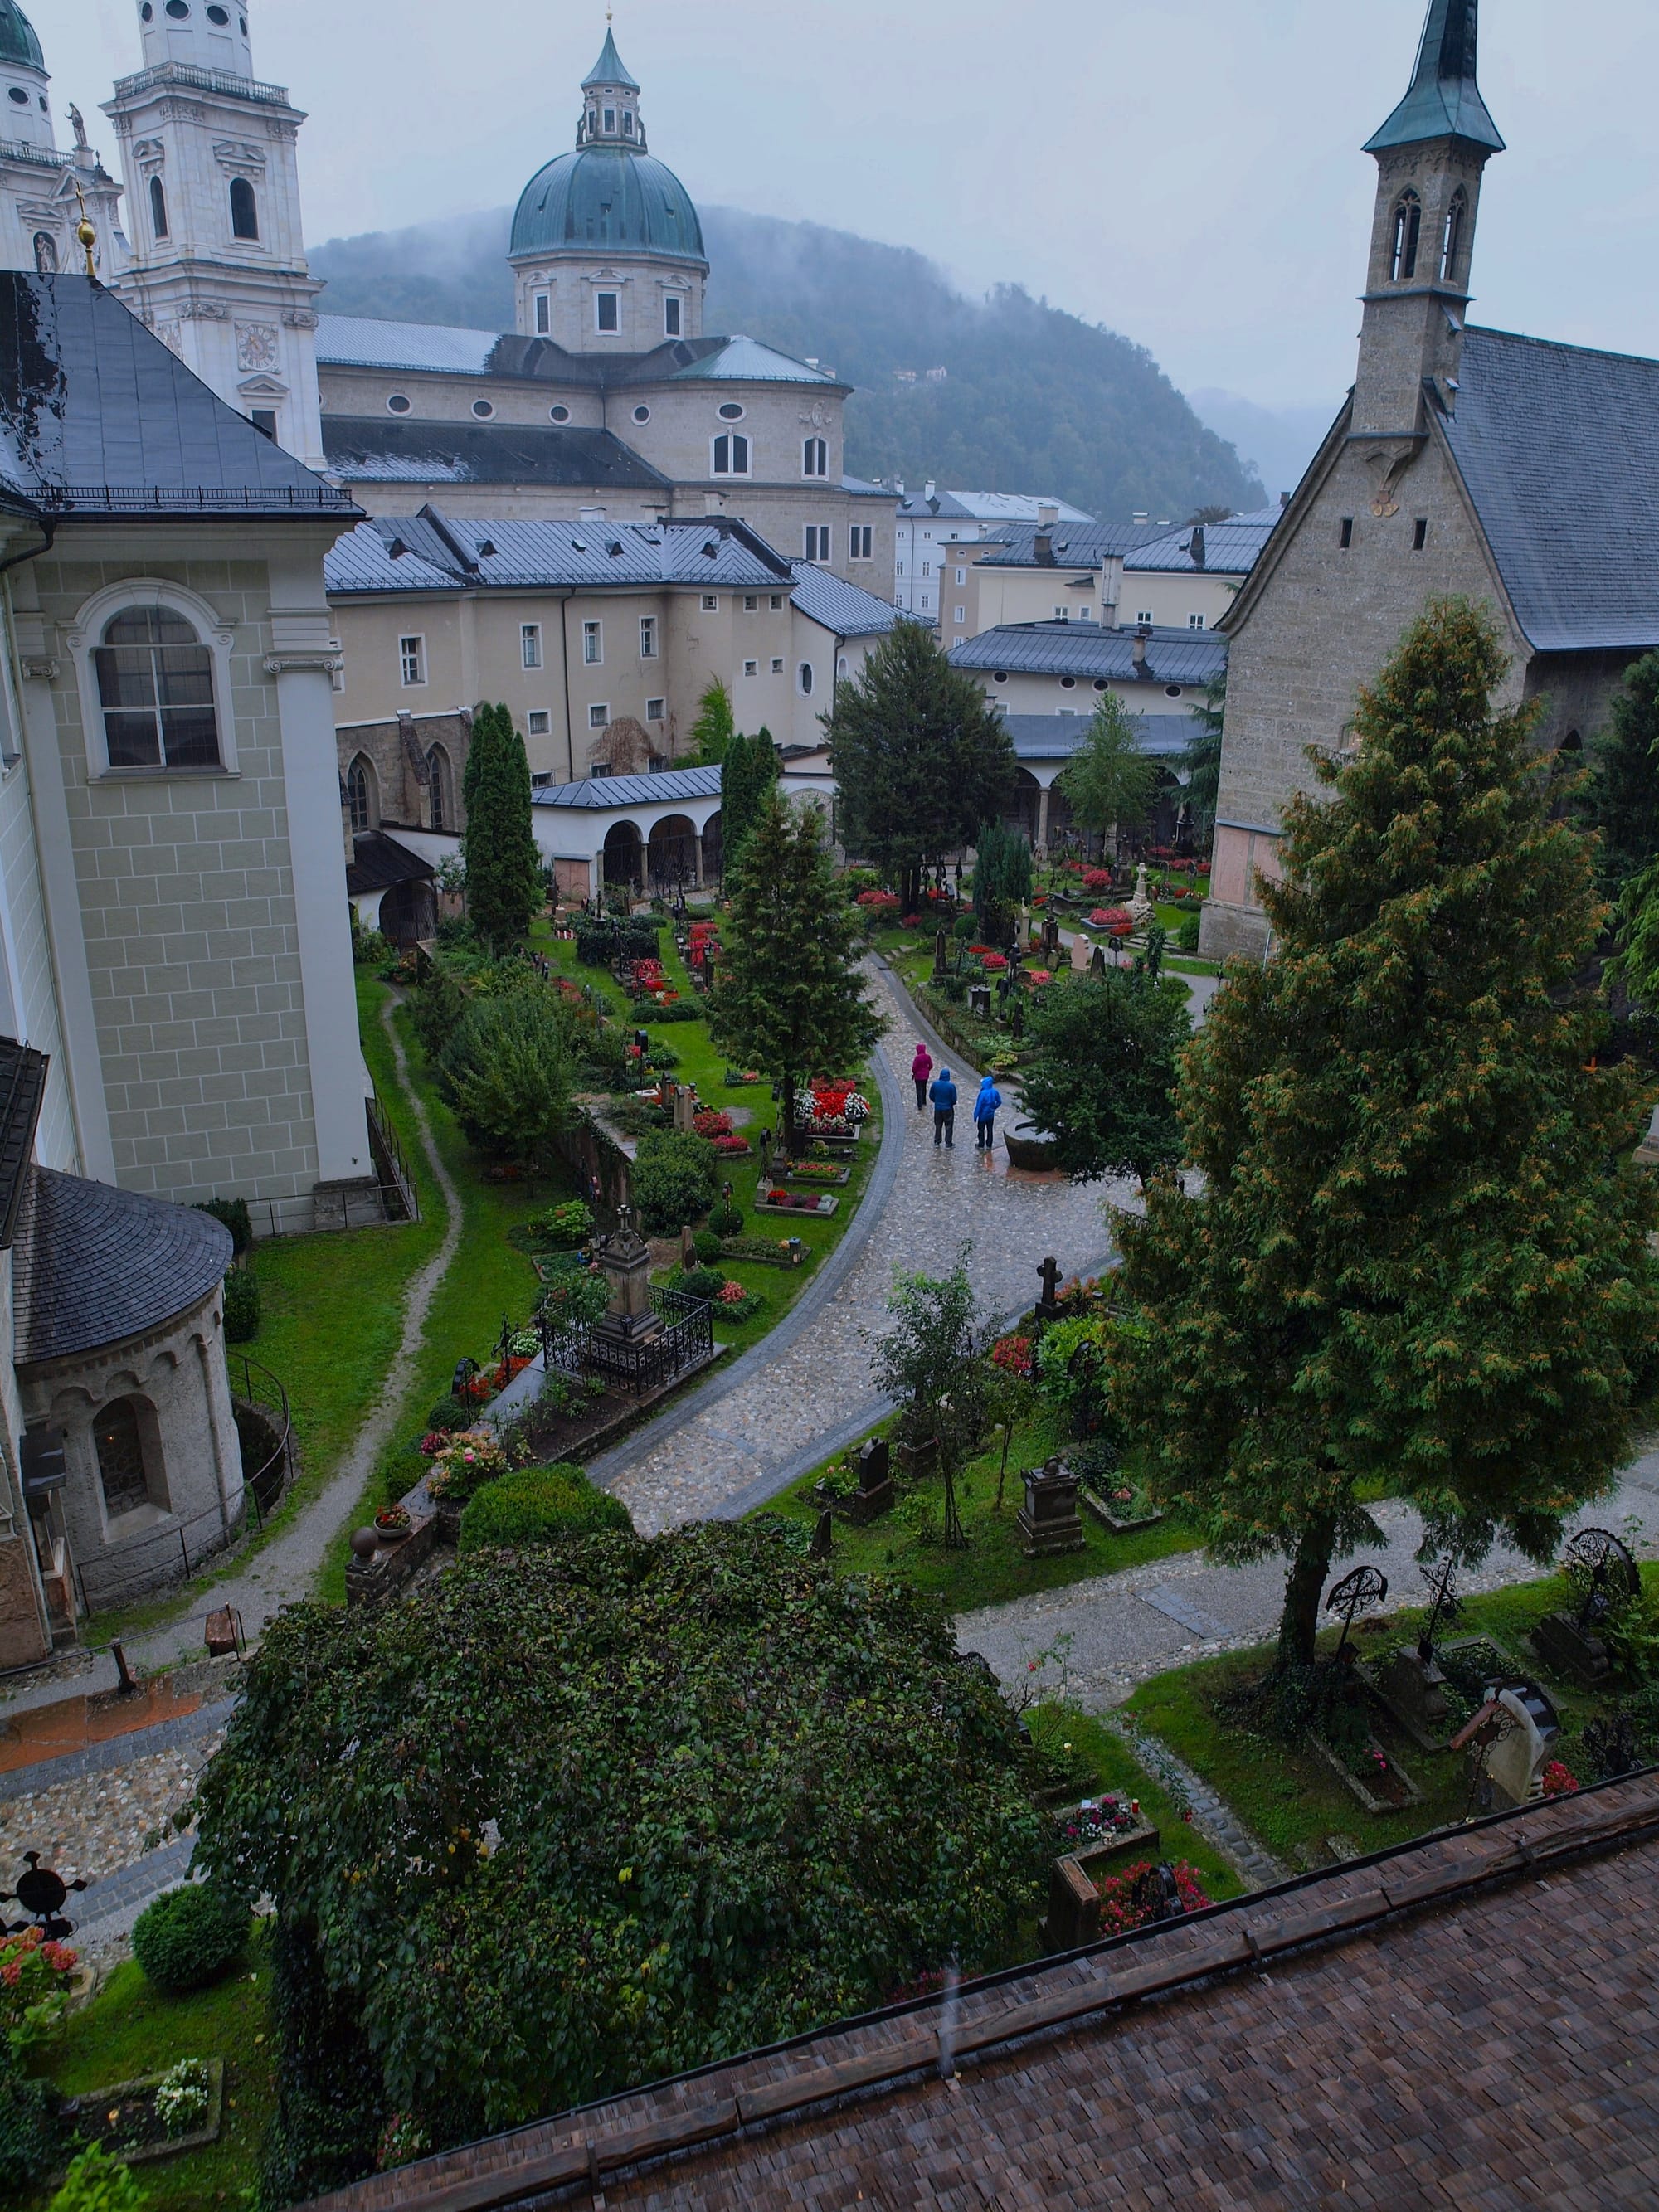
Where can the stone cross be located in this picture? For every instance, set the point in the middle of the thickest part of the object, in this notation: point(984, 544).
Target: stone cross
point(1047, 1304)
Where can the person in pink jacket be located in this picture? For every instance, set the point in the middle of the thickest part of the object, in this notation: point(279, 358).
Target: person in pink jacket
point(921, 1068)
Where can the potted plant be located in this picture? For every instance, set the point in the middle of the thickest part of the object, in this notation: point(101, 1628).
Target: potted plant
point(392, 1524)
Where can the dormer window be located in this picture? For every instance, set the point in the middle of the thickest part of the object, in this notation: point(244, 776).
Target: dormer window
point(1408, 234)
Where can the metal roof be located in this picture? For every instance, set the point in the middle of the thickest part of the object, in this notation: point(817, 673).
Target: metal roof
point(378, 862)
point(1559, 446)
point(1081, 545)
point(598, 792)
point(18, 42)
point(608, 199)
point(847, 609)
point(1057, 736)
point(746, 360)
point(399, 449)
point(366, 342)
point(988, 507)
point(1231, 549)
point(94, 1265)
point(445, 552)
point(1445, 101)
point(608, 69)
point(1056, 648)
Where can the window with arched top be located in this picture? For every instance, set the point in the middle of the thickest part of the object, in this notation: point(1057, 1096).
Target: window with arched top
point(158, 208)
point(244, 210)
point(731, 454)
point(440, 788)
point(362, 793)
point(155, 691)
point(1407, 235)
point(46, 253)
point(124, 1468)
point(814, 457)
point(1452, 237)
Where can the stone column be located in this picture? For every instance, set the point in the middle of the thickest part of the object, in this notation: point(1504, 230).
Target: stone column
point(1042, 820)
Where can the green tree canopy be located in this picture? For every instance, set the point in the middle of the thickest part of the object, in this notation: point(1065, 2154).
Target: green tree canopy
point(749, 771)
point(713, 729)
point(507, 1070)
point(1202, 760)
point(1418, 1254)
point(1620, 794)
point(1105, 1054)
point(920, 757)
point(1109, 782)
point(1002, 877)
point(927, 1363)
point(535, 1836)
point(787, 997)
point(504, 885)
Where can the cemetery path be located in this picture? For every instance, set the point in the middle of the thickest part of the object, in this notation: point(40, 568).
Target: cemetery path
point(747, 1435)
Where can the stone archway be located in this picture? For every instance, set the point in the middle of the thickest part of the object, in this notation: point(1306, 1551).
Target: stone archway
point(624, 856)
point(1024, 807)
point(714, 850)
point(674, 854)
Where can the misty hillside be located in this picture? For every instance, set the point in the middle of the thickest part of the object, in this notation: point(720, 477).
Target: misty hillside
point(1034, 399)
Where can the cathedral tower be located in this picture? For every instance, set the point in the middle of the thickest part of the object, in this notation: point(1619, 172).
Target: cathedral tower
point(42, 191)
point(607, 249)
point(218, 267)
point(1430, 155)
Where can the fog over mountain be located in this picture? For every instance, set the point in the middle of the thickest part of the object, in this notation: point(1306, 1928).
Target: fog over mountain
point(1032, 399)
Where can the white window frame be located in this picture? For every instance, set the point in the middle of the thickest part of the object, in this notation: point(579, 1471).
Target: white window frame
point(752, 668)
point(405, 681)
point(648, 637)
point(815, 458)
point(861, 541)
point(530, 644)
point(961, 614)
point(84, 634)
point(777, 664)
point(711, 603)
point(1197, 621)
point(544, 317)
point(593, 643)
point(656, 710)
point(962, 578)
point(777, 601)
point(1142, 618)
point(805, 679)
point(673, 315)
point(815, 541)
point(598, 714)
point(538, 722)
point(600, 329)
point(731, 440)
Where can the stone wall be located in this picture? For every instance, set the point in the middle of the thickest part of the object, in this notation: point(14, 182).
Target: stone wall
point(397, 752)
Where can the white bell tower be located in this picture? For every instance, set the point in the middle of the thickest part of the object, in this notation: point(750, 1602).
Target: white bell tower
point(217, 265)
point(42, 191)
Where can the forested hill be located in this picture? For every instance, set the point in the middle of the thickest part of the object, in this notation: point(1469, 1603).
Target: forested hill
point(1033, 400)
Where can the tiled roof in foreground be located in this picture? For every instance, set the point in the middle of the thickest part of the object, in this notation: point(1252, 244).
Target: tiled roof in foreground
point(1466, 2022)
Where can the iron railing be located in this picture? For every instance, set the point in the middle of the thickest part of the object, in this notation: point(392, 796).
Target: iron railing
point(265, 1393)
point(194, 499)
point(686, 1341)
point(398, 1190)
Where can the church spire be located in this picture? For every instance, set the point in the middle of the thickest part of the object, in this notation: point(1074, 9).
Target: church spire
point(1444, 100)
point(611, 103)
point(608, 69)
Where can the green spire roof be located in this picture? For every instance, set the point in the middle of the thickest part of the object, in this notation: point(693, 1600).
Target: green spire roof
point(1445, 101)
point(17, 40)
point(608, 69)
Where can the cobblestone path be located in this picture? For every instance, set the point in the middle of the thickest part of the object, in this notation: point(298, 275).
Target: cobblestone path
point(743, 1438)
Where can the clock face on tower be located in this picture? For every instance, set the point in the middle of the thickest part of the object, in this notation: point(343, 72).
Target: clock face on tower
point(257, 345)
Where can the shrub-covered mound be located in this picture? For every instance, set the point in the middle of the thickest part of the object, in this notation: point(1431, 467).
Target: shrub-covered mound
point(188, 1937)
point(535, 1835)
point(536, 1504)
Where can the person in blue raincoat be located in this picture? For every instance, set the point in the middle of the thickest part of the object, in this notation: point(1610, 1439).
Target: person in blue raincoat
point(985, 1114)
point(943, 1096)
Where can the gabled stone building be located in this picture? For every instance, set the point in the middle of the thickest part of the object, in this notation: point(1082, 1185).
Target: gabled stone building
point(1518, 472)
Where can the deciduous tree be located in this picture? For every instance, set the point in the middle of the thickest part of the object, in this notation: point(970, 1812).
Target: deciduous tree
point(1106, 1051)
point(713, 729)
point(1417, 1254)
point(1109, 782)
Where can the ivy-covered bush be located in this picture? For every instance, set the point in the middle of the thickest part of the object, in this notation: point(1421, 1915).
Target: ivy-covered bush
point(700, 1282)
point(241, 1306)
point(188, 1937)
point(233, 1212)
point(29, 2136)
point(675, 1179)
point(536, 1504)
point(707, 1242)
point(633, 1806)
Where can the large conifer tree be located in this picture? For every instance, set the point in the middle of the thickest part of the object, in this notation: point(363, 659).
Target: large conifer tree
point(1418, 1254)
point(788, 999)
point(503, 867)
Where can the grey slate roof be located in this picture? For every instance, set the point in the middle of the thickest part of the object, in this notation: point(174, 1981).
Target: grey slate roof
point(1559, 446)
point(744, 360)
point(97, 416)
point(1057, 736)
point(451, 349)
point(597, 793)
point(1072, 545)
point(1056, 648)
point(1012, 507)
point(96, 1265)
point(22, 1086)
point(445, 552)
point(390, 449)
point(847, 609)
point(379, 861)
point(1230, 547)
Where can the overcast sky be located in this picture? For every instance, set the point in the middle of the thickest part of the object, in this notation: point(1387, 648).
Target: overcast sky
point(1186, 171)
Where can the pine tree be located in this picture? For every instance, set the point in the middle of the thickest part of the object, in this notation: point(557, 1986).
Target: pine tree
point(713, 729)
point(1002, 878)
point(1620, 794)
point(748, 772)
point(504, 885)
point(1417, 1254)
point(920, 757)
point(1202, 761)
point(1109, 782)
point(1106, 1055)
point(788, 999)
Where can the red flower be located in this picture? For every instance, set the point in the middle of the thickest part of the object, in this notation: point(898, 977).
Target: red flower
point(1558, 1781)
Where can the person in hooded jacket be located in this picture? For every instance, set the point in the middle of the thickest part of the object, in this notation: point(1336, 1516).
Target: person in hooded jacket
point(921, 1068)
point(943, 1096)
point(985, 1114)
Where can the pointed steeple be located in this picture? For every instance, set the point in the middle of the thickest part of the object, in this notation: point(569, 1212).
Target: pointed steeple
point(608, 69)
point(1445, 101)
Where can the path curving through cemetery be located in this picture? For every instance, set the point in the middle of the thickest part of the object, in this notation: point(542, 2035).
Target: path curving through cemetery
point(805, 1390)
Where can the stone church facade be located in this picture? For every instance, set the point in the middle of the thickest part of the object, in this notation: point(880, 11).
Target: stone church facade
point(1511, 471)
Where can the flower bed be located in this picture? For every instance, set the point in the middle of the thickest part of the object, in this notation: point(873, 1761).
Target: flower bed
point(1121, 1507)
point(776, 1200)
point(765, 1251)
point(731, 1147)
point(819, 1171)
point(737, 1305)
point(464, 1463)
point(1014, 1355)
point(1381, 1784)
point(710, 1123)
point(157, 2116)
point(1118, 1909)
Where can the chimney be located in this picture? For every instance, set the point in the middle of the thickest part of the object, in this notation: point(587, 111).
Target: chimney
point(714, 502)
point(590, 515)
point(1043, 545)
point(1196, 546)
point(1047, 513)
point(1138, 516)
point(930, 491)
point(898, 487)
point(1142, 631)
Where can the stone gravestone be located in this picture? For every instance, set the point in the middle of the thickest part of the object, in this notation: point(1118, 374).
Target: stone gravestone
point(685, 1109)
point(979, 1001)
point(1074, 1908)
point(1097, 961)
point(1050, 938)
point(939, 954)
point(1049, 1519)
point(1509, 1740)
point(875, 1491)
point(823, 1536)
point(1048, 1306)
point(625, 1260)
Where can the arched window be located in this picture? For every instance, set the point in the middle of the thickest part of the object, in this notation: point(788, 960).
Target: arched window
point(815, 457)
point(361, 793)
point(804, 676)
point(1408, 233)
point(437, 774)
point(158, 208)
point(244, 210)
point(119, 1439)
point(156, 689)
point(1452, 239)
point(46, 253)
point(731, 454)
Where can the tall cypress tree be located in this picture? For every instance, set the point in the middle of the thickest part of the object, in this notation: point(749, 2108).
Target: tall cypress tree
point(1418, 1254)
point(748, 772)
point(503, 867)
point(1620, 795)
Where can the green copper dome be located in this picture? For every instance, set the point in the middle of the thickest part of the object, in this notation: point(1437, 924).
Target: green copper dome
point(17, 40)
point(606, 196)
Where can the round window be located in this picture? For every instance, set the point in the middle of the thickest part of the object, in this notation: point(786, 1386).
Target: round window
point(400, 402)
point(20, 96)
point(1000, 676)
point(641, 414)
point(221, 15)
point(1068, 683)
point(483, 408)
point(558, 414)
point(147, 14)
point(1172, 691)
point(731, 412)
point(1100, 683)
point(178, 10)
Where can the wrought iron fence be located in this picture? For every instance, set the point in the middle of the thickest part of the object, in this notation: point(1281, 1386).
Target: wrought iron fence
point(261, 1389)
point(398, 1184)
point(686, 1341)
point(151, 1563)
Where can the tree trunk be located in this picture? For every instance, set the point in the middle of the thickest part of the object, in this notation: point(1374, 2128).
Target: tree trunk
point(1304, 1588)
point(788, 1103)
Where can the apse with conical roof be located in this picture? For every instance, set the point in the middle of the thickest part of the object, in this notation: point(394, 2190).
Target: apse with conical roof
point(1430, 154)
point(606, 248)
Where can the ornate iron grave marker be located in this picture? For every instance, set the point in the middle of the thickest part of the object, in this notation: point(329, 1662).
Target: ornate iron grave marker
point(1356, 1591)
point(42, 1895)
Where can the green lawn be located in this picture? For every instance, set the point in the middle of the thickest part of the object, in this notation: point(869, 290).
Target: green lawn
point(130, 2029)
point(1117, 1768)
point(1291, 1800)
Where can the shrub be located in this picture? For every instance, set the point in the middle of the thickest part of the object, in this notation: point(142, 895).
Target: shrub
point(707, 1242)
point(98, 2183)
point(241, 1306)
point(188, 1937)
point(674, 1179)
point(537, 1504)
point(34, 1978)
point(507, 1070)
point(451, 1414)
point(726, 1220)
point(677, 1010)
point(701, 1282)
point(572, 1223)
point(965, 928)
point(368, 946)
point(233, 1212)
point(28, 2125)
point(182, 2096)
point(1187, 931)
